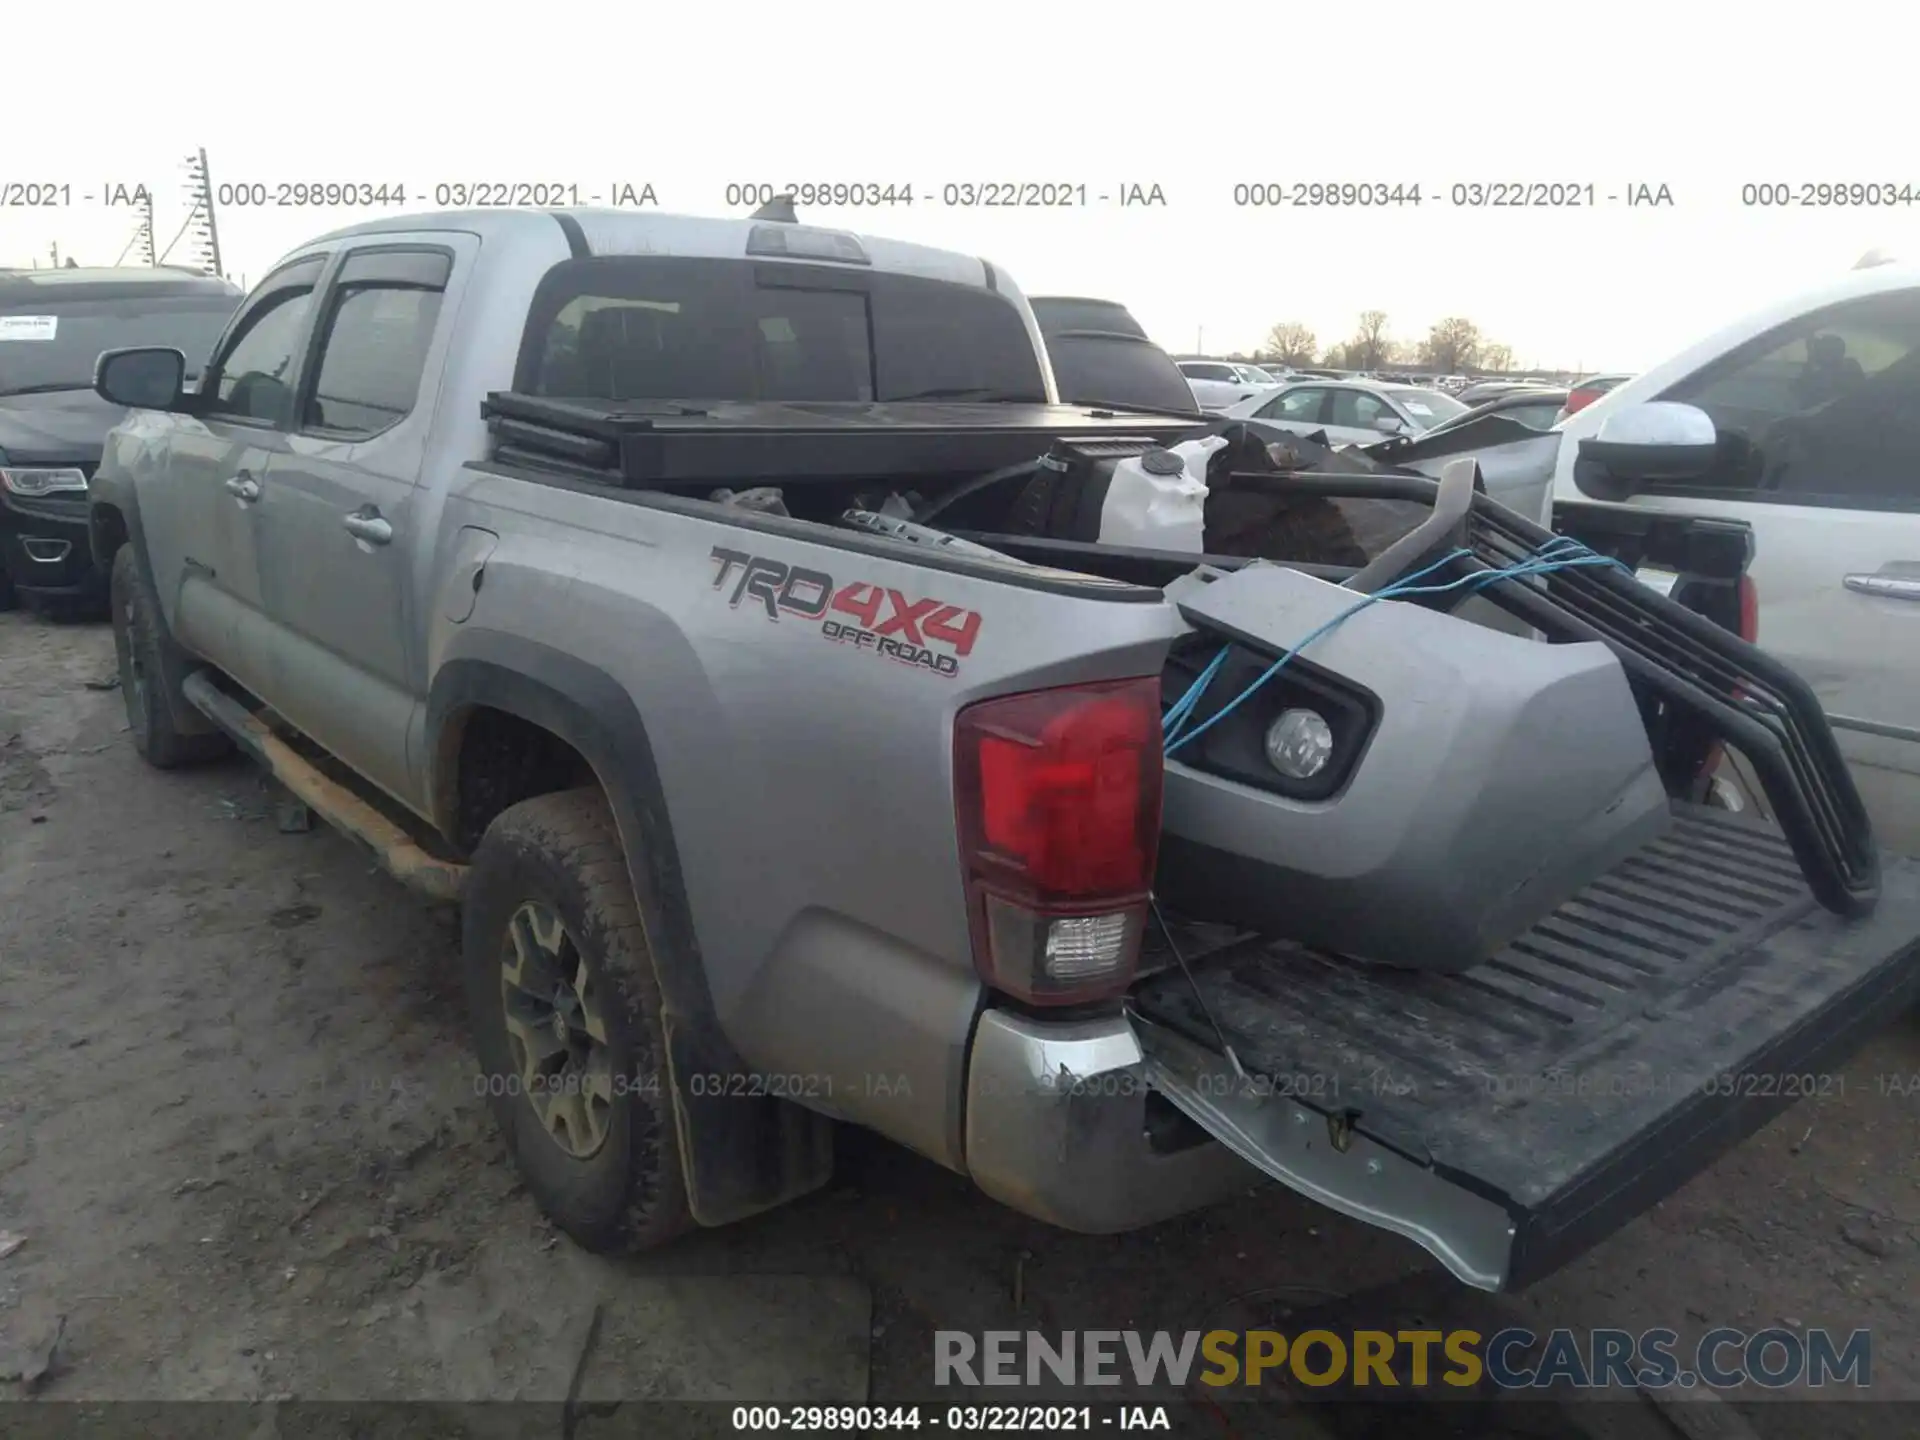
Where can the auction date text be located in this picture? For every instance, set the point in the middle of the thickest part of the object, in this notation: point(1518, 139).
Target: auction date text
point(1821, 194)
point(1459, 194)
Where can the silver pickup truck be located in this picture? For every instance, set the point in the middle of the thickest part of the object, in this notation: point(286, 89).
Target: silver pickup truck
point(583, 566)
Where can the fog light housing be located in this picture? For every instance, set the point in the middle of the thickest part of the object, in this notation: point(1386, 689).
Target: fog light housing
point(1299, 744)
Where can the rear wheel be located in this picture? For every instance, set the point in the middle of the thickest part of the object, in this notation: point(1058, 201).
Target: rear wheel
point(151, 673)
point(566, 1021)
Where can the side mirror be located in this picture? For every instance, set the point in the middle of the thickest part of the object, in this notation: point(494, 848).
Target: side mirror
point(1658, 440)
point(146, 379)
point(1388, 424)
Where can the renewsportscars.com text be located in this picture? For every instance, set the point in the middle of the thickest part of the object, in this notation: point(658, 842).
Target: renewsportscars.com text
point(1511, 1359)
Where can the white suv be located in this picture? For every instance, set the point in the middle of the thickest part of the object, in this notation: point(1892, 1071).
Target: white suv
point(1816, 407)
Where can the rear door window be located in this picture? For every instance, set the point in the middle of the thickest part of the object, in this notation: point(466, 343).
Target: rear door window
point(1357, 409)
point(380, 316)
point(672, 328)
point(1301, 406)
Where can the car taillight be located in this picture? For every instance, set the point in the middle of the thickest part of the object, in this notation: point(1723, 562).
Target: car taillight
point(1057, 796)
point(1578, 400)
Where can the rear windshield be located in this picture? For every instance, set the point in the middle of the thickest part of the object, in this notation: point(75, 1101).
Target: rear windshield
point(678, 328)
point(53, 344)
point(1116, 370)
point(1057, 315)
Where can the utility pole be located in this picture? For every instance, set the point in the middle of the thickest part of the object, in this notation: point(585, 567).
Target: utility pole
point(56, 254)
point(146, 229)
point(200, 215)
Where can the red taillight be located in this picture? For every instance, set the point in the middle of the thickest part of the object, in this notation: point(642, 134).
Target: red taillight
point(1057, 796)
point(1578, 400)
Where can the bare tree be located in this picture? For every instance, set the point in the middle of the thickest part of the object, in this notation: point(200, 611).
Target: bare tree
point(1453, 344)
point(1290, 343)
point(1497, 358)
point(1369, 348)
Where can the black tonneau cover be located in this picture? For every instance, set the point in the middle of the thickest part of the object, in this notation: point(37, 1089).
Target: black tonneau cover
point(1519, 1112)
point(655, 443)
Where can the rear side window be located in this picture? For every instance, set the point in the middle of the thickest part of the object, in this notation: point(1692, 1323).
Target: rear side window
point(1296, 405)
point(1356, 409)
point(675, 328)
point(381, 314)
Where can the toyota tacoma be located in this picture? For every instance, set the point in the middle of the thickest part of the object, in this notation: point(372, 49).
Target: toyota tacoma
point(818, 722)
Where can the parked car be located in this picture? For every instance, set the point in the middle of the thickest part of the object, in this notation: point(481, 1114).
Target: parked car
point(1216, 384)
point(1482, 391)
point(1351, 412)
point(1539, 409)
point(53, 324)
point(1102, 356)
point(582, 566)
point(1585, 392)
point(1811, 407)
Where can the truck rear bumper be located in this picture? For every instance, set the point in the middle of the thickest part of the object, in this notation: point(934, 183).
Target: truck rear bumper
point(1062, 1125)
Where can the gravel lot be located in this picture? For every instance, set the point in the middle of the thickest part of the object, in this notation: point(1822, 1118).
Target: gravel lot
point(239, 1136)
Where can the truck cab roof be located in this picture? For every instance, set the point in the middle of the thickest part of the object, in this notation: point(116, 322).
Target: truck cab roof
point(605, 231)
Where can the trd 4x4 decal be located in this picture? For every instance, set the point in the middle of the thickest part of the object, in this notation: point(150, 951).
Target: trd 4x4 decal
point(926, 634)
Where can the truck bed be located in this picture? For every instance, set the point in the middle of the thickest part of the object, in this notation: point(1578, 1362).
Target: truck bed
point(1655, 1019)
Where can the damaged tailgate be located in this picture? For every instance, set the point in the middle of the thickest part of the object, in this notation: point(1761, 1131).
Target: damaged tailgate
point(1510, 1116)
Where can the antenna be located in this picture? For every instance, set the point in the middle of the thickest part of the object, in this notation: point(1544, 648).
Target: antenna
point(780, 207)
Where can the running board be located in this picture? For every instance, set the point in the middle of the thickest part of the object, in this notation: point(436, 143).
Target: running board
point(393, 849)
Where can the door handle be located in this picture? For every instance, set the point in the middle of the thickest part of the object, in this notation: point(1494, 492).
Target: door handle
point(368, 526)
point(1888, 587)
point(244, 487)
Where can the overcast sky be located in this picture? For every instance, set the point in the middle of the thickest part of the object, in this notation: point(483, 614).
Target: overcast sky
point(1701, 98)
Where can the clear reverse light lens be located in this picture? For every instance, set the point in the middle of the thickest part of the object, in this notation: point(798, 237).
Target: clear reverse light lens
point(1299, 744)
point(41, 480)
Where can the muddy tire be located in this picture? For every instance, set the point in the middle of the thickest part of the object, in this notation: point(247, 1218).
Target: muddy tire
point(9, 597)
point(151, 672)
point(566, 1023)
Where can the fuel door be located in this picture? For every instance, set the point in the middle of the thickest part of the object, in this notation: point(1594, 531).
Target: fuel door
point(471, 549)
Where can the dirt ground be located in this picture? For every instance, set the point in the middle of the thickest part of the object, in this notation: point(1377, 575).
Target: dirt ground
point(239, 1137)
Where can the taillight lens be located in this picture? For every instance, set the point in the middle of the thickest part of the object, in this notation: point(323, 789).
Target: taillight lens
point(1057, 797)
point(1578, 400)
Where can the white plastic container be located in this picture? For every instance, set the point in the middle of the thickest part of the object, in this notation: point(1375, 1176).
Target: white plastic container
point(1158, 501)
